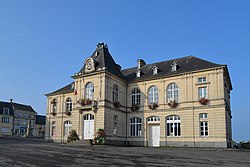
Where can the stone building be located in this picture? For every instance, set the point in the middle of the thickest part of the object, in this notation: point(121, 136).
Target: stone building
point(20, 118)
point(181, 102)
point(40, 125)
point(6, 118)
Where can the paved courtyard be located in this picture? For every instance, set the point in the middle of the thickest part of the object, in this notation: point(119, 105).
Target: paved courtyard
point(20, 152)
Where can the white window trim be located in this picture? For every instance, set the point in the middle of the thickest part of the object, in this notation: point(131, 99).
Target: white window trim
point(173, 122)
point(154, 93)
point(136, 96)
point(173, 93)
point(89, 91)
point(137, 125)
point(202, 95)
point(204, 131)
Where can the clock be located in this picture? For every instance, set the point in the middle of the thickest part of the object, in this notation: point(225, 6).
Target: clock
point(89, 64)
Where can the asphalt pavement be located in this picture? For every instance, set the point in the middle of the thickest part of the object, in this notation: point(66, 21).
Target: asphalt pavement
point(23, 152)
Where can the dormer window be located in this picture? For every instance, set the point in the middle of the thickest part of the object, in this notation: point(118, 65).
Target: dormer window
point(174, 66)
point(138, 73)
point(155, 70)
point(6, 111)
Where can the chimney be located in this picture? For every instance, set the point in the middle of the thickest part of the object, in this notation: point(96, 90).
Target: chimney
point(11, 100)
point(140, 63)
point(118, 66)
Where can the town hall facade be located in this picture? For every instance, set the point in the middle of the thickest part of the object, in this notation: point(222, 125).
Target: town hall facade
point(184, 102)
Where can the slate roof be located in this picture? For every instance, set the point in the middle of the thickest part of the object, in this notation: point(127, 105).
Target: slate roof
point(104, 60)
point(6, 105)
point(23, 107)
point(15, 106)
point(185, 64)
point(40, 120)
point(66, 89)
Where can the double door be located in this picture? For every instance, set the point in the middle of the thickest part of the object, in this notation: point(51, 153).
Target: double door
point(88, 126)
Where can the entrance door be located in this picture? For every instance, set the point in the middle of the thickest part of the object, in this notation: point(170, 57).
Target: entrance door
point(88, 126)
point(154, 135)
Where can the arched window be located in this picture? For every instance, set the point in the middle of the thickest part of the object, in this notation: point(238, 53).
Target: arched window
point(67, 127)
point(153, 119)
point(153, 95)
point(89, 91)
point(115, 93)
point(173, 125)
point(173, 92)
point(68, 104)
point(135, 126)
point(136, 97)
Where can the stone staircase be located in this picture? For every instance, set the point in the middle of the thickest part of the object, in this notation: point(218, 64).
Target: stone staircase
point(83, 143)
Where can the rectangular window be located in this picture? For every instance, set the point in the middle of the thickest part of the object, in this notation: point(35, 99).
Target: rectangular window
point(18, 122)
point(203, 115)
point(53, 129)
point(173, 129)
point(115, 124)
point(5, 120)
point(135, 127)
point(202, 92)
point(204, 128)
point(19, 115)
point(202, 80)
point(6, 111)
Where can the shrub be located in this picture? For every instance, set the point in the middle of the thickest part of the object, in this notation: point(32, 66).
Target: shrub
point(100, 137)
point(72, 137)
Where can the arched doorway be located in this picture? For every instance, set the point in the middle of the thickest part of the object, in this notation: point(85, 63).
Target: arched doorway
point(154, 131)
point(88, 126)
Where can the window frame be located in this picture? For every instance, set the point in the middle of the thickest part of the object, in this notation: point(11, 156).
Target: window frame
point(204, 129)
point(67, 127)
point(89, 91)
point(136, 97)
point(202, 92)
point(202, 80)
point(115, 93)
point(69, 105)
point(6, 120)
point(115, 124)
point(153, 95)
point(6, 111)
point(203, 115)
point(172, 92)
point(173, 126)
point(53, 128)
point(135, 127)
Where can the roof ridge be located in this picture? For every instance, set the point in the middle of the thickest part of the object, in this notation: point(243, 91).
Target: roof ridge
point(190, 56)
point(161, 62)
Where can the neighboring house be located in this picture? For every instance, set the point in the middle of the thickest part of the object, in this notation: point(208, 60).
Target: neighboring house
point(6, 118)
point(19, 121)
point(179, 102)
point(40, 124)
point(24, 119)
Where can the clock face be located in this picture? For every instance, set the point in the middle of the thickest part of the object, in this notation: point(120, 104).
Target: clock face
point(89, 65)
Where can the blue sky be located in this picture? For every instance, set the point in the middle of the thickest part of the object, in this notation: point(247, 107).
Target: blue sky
point(43, 43)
